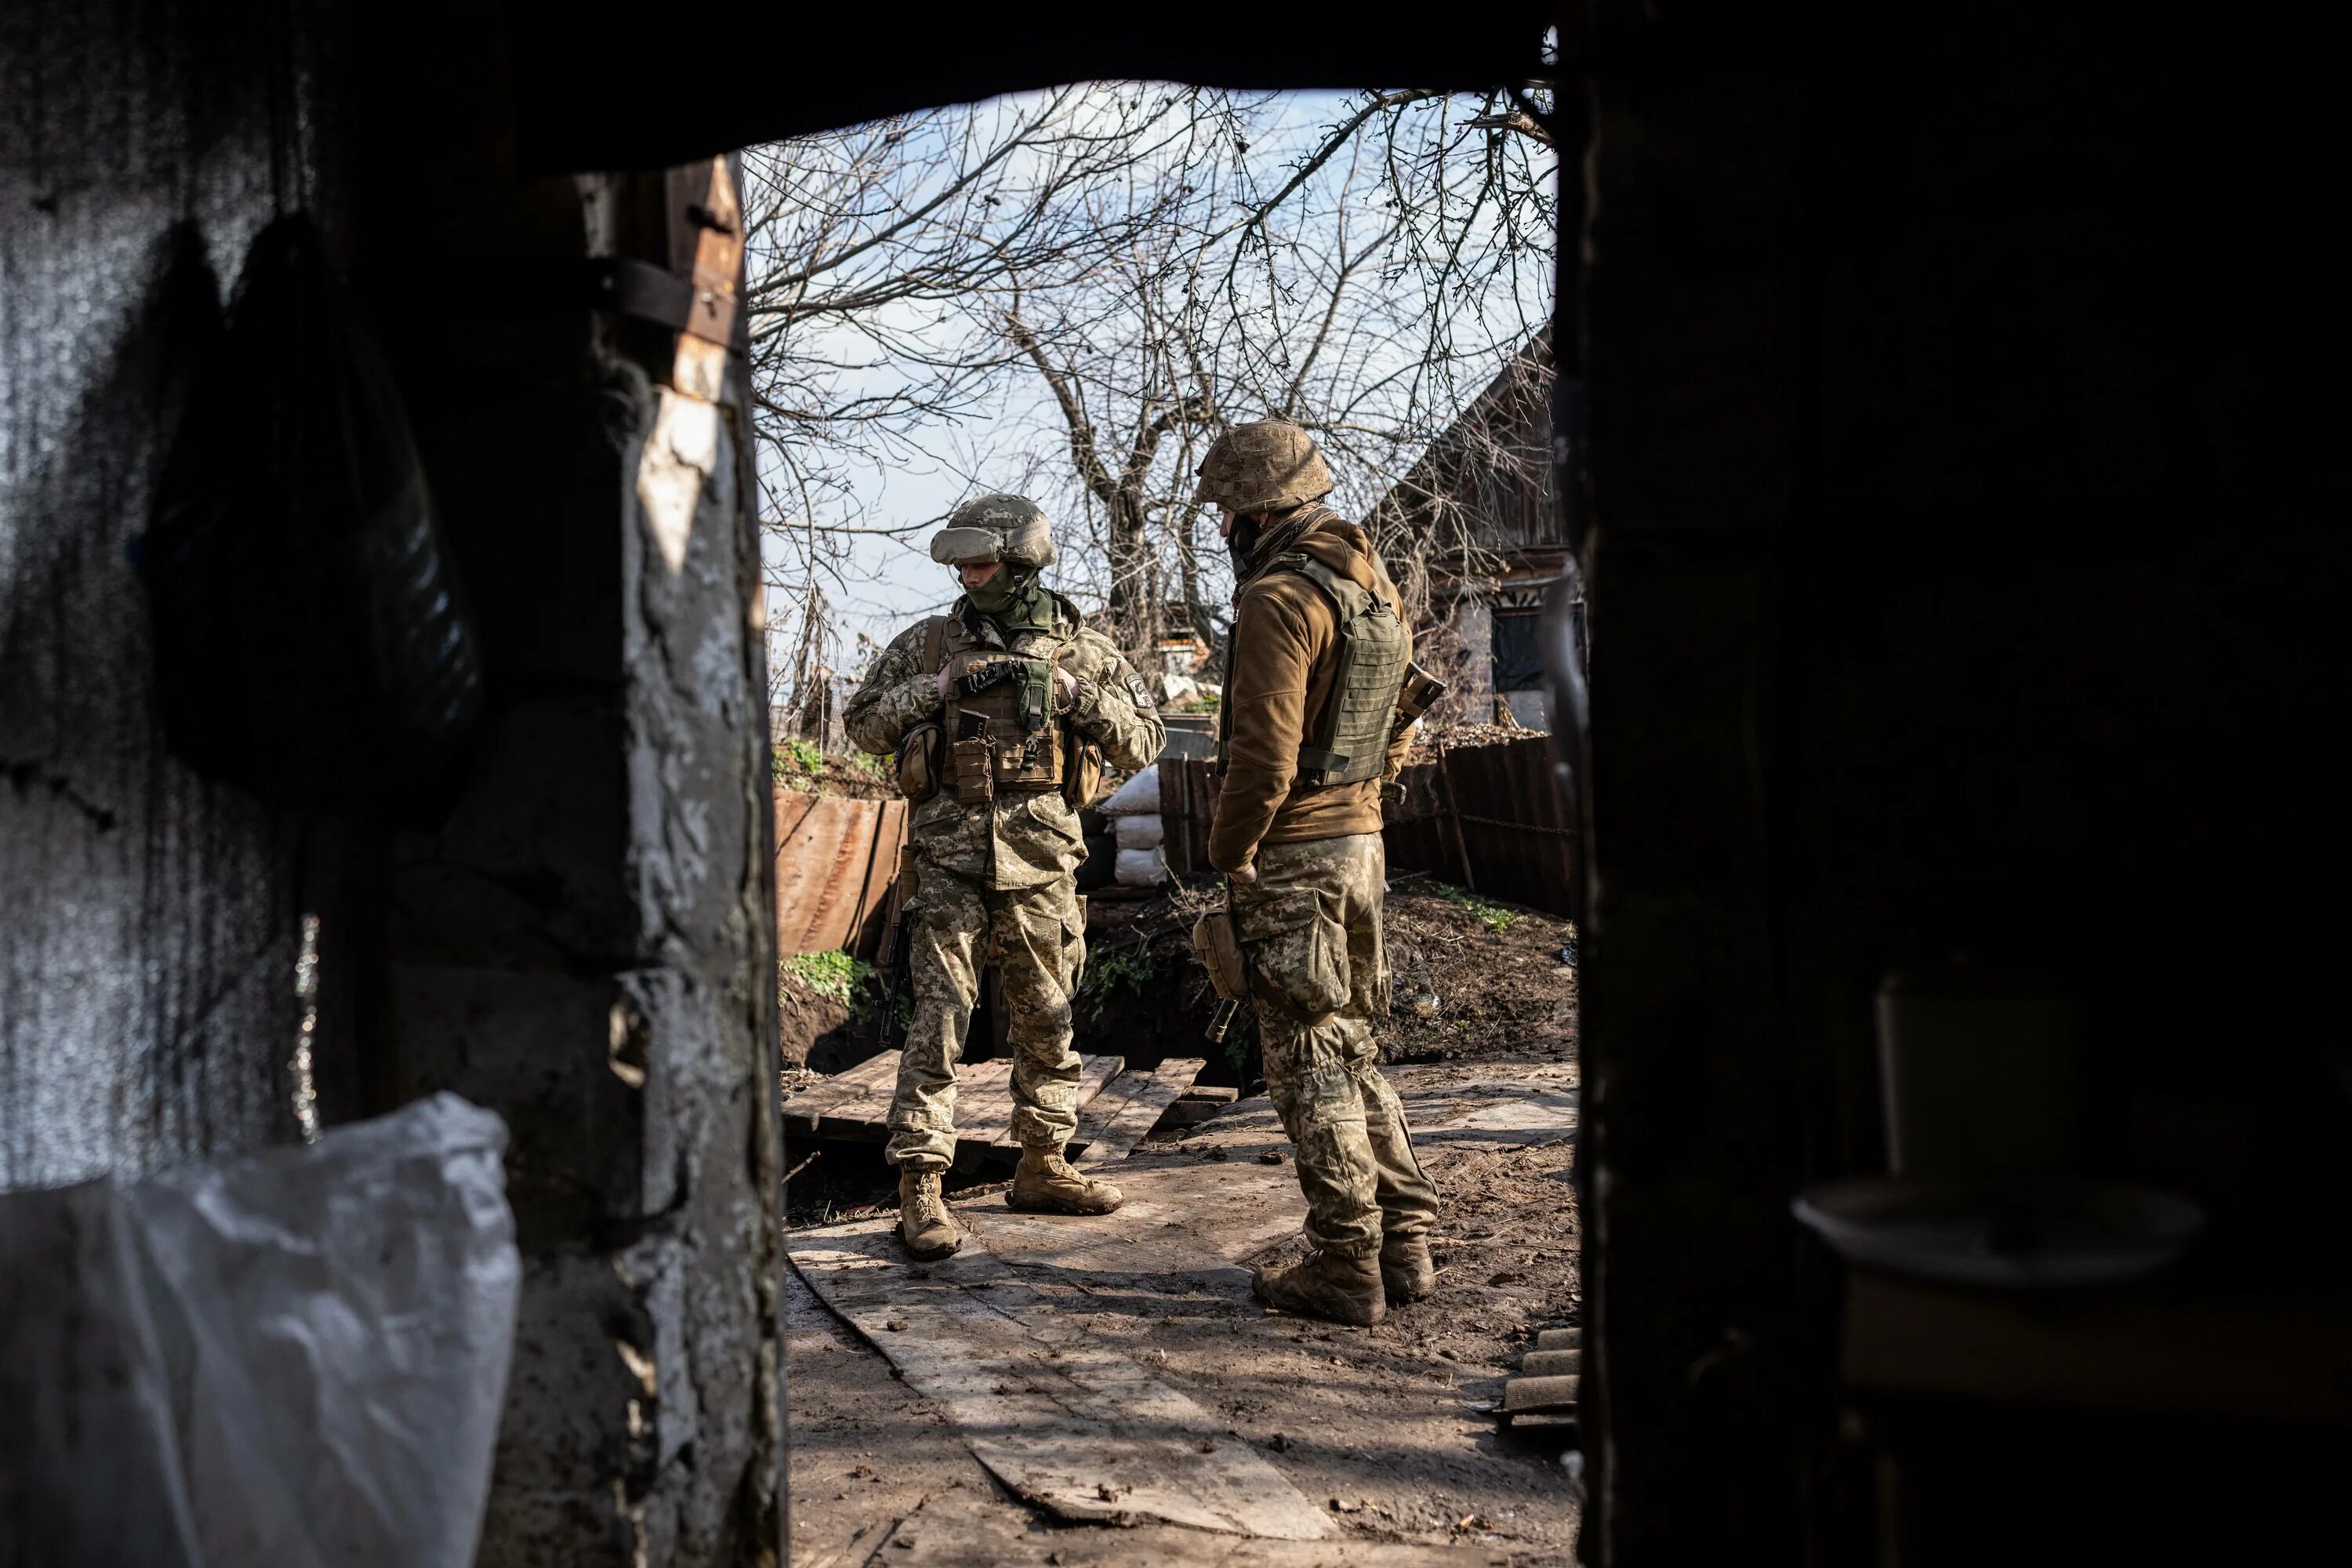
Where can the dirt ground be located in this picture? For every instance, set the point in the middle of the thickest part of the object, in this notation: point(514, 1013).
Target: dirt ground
point(1473, 980)
point(1391, 1427)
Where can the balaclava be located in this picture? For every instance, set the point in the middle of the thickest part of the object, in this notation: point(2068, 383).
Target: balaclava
point(1016, 601)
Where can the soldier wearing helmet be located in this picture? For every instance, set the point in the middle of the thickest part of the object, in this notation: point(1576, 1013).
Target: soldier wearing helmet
point(1001, 713)
point(1310, 731)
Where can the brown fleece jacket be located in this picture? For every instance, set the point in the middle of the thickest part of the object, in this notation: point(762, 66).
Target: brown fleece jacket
point(1285, 656)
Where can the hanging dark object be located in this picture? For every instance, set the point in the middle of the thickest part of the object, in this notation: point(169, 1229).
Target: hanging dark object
point(311, 642)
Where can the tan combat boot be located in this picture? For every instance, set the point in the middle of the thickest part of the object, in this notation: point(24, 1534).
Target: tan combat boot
point(1336, 1286)
point(924, 1223)
point(1406, 1272)
point(1045, 1183)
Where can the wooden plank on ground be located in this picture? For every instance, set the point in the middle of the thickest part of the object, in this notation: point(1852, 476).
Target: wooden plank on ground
point(802, 1111)
point(988, 1139)
point(1551, 1363)
point(1094, 1074)
point(1063, 1420)
point(1559, 1339)
point(864, 1112)
point(1131, 1106)
point(856, 1104)
point(1205, 1219)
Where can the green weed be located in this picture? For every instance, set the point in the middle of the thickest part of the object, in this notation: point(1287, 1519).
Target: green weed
point(835, 975)
point(1495, 916)
point(1105, 975)
point(797, 758)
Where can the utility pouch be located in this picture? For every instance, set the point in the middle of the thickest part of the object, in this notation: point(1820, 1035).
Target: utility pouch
point(919, 762)
point(1221, 954)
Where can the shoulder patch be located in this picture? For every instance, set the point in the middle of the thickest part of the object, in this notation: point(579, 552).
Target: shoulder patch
point(1139, 690)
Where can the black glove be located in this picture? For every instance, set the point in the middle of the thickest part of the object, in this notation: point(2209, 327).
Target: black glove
point(981, 677)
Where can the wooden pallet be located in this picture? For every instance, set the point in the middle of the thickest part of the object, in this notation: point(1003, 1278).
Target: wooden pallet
point(1118, 1117)
point(855, 1105)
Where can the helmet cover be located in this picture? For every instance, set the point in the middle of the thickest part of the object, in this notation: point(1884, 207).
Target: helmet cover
point(1267, 465)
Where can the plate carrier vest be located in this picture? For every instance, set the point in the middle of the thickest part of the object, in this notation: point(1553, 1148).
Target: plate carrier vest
point(1348, 742)
point(1026, 751)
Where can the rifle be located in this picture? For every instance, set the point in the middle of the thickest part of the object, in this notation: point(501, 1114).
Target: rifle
point(890, 959)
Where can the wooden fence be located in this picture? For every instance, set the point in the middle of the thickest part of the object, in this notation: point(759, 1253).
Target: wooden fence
point(1485, 817)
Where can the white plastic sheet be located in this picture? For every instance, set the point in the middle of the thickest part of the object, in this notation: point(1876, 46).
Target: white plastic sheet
point(1143, 830)
point(291, 1360)
point(1141, 793)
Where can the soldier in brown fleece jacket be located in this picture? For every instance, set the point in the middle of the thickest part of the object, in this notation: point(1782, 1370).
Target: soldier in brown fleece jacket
point(1297, 832)
point(1285, 654)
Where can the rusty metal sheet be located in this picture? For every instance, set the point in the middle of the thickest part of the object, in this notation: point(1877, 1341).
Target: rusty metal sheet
point(825, 854)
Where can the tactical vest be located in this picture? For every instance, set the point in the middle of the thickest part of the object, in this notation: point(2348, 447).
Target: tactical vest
point(1011, 722)
point(1347, 740)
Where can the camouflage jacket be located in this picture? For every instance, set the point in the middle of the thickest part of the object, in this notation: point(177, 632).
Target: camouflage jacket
point(1018, 840)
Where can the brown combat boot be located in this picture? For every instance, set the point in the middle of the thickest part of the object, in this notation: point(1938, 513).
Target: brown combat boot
point(1336, 1287)
point(1044, 1184)
point(1406, 1272)
point(924, 1223)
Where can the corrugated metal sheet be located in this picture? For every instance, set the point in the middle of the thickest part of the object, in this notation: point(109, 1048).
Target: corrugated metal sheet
point(835, 860)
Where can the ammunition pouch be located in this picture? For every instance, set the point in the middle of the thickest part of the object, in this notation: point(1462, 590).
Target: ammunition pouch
point(974, 769)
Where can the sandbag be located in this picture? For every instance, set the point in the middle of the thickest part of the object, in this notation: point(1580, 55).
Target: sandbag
point(292, 1360)
point(1141, 793)
point(1141, 868)
point(1139, 831)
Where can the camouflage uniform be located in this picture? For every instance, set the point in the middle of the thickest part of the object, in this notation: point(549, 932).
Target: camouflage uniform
point(1004, 871)
point(1310, 928)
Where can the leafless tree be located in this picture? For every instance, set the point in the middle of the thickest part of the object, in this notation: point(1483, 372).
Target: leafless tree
point(1115, 273)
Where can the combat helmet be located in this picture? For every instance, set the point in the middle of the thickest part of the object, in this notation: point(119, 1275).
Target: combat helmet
point(1007, 528)
point(1267, 465)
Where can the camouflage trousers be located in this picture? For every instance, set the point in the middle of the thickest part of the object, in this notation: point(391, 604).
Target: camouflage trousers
point(1310, 926)
point(1040, 946)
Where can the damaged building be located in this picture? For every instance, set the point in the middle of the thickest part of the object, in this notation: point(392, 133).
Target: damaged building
point(1479, 527)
